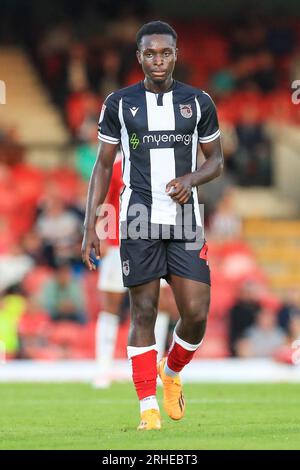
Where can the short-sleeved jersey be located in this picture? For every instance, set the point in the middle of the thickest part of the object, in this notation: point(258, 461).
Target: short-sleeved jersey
point(159, 134)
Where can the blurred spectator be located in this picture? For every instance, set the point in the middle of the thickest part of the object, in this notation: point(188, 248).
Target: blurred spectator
point(83, 115)
point(248, 37)
point(294, 327)
point(226, 224)
point(289, 308)
point(78, 205)
point(8, 194)
point(294, 72)
point(280, 35)
point(88, 127)
point(11, 151)
point(263, 339)
point(12, 307)
point(85, 157)
point(58, 39)
point(229, 145)
point(33, 246)
point(223, 82)
point(253, 156)
point(243, 314)
point(289, 353)
point(14, 265)
point(265, 73)
point(60, 229)
point(33, 329)
point(124, 28)
point(62, 297)
point(77, 69)
point(110, 80)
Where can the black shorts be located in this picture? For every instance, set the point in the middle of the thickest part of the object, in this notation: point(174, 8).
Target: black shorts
point(144, 260)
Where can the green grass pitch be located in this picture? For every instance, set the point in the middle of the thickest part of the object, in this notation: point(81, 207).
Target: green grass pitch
point(218, 416)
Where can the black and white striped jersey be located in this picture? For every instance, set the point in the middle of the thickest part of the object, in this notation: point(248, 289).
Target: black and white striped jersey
point(158, 134)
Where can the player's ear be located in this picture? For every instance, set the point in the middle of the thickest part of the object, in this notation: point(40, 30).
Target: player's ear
point(138, 54)
point(176, 53)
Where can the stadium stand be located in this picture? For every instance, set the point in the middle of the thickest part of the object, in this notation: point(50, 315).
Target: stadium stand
point(56, 88)
point(31, 110)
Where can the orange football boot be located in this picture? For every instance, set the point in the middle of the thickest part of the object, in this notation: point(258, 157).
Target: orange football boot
point(150, 419)
point(174, 403)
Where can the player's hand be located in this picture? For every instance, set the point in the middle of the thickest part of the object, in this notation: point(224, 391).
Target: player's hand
point(180, 189)
point(90, 241)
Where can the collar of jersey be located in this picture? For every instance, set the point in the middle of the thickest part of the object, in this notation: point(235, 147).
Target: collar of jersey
point(163, 92)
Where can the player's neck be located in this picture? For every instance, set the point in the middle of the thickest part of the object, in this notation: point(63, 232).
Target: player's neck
point(158, 87)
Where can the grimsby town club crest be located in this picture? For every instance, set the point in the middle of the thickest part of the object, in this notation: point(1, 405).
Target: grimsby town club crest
point(126, 268)
point(186, 110)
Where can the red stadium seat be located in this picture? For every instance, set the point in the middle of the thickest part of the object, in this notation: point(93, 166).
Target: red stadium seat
point(29, 182)
point(33, 324)
point(67, 181)
point(36, 279)
point(75, 111)
point(20, 225)
point(77, 341)
point(223, 295)
point(215, 344)
point(134, 76)
point(65, 333)
point(280, 107)
point(79, 105)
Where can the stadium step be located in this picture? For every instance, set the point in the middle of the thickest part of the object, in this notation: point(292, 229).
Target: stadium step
point(28, 106)
point(259, 202)
point(276, 244)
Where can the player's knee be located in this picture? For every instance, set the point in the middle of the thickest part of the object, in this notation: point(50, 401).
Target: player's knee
point(144, 312)
point(197, 311)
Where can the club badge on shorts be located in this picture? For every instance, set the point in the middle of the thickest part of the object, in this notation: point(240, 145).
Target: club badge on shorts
point(186, 110)
point(126, 268)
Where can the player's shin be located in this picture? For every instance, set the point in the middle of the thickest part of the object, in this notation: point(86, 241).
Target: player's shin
point(144, 374)
point(180, 354)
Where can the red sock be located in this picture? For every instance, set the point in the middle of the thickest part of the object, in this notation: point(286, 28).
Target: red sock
point(144, 373)
point(179, 357)
point(180, 354)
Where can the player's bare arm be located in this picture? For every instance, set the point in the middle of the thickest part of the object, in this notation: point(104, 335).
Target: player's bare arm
point(179, 189)
point(98, 188)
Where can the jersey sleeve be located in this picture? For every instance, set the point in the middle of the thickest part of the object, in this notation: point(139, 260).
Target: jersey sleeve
point(109, 127)
point(208, 126)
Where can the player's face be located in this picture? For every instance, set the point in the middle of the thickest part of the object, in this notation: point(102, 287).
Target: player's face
point(157, 56)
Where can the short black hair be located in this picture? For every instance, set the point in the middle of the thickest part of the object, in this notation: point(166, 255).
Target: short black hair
point(155, 27)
